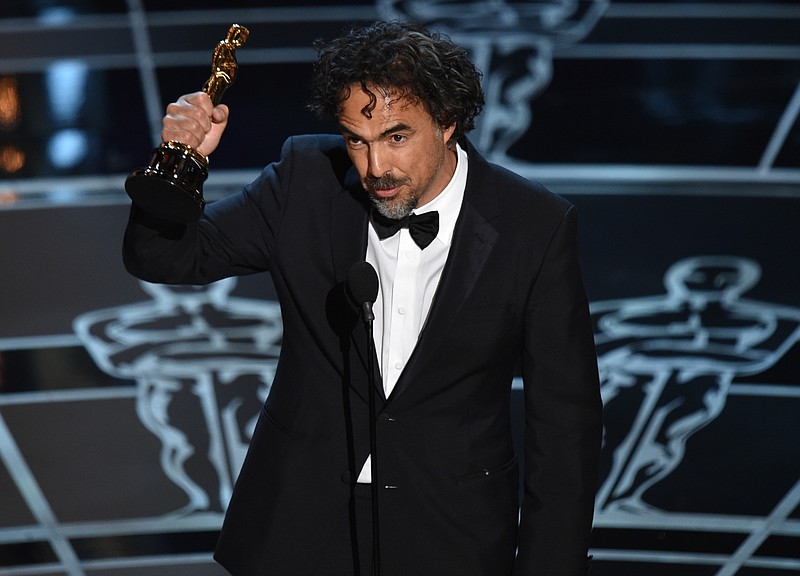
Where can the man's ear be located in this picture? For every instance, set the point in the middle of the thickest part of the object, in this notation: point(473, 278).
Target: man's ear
point(449, 131)
point(447, 135)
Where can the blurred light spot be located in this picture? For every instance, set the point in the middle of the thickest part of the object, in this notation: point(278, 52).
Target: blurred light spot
point(66, 89)
point(8, 197)
point(55, 15)
point(9, 103)
point(12, 159)
point(67, 148)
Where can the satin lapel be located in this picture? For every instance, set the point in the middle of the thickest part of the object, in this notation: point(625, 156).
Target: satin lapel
point(474, 238)
point(349, 223)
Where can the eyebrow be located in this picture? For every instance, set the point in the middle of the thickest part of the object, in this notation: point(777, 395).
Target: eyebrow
point(401, 127)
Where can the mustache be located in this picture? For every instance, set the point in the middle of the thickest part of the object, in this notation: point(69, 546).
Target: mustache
point(385, 182)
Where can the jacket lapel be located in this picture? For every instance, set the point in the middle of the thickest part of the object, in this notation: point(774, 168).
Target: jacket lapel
point(473, 240)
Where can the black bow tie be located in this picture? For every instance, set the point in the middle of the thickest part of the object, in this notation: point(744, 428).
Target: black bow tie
point(422, 227)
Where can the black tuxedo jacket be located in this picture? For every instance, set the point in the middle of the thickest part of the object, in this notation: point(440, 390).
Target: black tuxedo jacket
point(510, 297)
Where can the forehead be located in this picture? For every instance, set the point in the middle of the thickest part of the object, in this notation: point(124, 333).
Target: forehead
point(359, 107)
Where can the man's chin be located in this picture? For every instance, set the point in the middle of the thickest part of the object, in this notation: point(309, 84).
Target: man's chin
point(393, 208)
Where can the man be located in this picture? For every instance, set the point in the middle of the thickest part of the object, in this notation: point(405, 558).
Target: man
point(497, 288)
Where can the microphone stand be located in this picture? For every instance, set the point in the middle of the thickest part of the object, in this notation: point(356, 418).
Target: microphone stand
point(368, 317)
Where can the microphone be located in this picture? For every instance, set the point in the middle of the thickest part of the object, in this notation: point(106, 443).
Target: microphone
point(362, 288)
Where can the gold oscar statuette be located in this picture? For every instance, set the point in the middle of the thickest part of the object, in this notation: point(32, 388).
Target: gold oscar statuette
point(171, 187)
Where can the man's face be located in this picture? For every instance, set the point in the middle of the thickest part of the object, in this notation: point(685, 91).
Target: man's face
point(400, 153)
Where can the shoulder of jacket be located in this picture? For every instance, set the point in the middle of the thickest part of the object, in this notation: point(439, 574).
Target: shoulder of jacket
point(324, 143)
point(513, 190)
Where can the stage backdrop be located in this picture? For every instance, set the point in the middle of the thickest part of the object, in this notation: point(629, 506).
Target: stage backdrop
point(126, 407)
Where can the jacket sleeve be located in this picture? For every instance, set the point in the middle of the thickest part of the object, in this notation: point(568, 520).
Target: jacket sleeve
point(235, 236)
point(563, 416)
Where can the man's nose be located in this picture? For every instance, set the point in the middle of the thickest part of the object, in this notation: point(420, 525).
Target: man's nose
point(377, 164)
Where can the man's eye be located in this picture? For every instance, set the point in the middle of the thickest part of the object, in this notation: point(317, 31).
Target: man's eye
point(398, 138)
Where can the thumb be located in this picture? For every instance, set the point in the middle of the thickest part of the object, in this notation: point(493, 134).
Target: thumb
point(220, 113)
point(219, 120)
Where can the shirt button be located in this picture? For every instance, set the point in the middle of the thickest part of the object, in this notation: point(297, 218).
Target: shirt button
point(401, 310)
point(398, 365)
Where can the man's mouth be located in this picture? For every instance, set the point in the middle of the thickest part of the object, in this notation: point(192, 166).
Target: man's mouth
point(385, 192)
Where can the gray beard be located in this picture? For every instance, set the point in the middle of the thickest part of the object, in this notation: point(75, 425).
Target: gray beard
point(394, 209)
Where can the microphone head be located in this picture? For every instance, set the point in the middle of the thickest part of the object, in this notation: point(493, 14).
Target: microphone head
point(362, 283)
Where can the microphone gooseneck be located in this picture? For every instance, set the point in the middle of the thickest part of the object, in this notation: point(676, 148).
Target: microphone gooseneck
point(362, 289)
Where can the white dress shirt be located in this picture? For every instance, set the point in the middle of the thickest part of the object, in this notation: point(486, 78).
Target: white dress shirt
point(408, 278)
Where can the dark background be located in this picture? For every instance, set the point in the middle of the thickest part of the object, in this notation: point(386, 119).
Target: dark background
point(672, 126)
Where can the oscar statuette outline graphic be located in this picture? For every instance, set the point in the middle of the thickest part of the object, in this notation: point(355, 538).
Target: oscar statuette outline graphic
point(171, 187)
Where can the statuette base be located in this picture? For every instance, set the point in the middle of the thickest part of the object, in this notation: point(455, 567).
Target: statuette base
point(171, 187)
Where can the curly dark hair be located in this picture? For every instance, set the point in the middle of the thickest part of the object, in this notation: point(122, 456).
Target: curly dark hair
point(402, 59)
